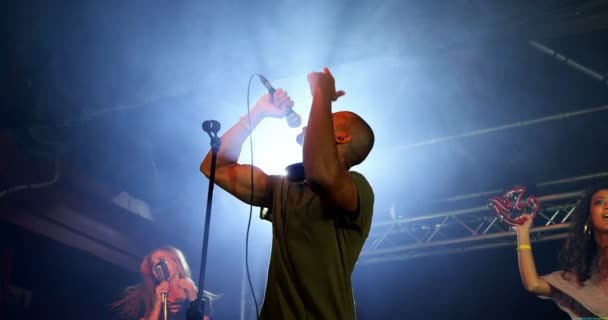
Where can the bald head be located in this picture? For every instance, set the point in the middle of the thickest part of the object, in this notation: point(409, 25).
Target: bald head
point(361, 136)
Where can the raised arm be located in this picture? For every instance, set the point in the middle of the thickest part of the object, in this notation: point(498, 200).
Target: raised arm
point(527, 269)
point(326, 171)
point(229, 174)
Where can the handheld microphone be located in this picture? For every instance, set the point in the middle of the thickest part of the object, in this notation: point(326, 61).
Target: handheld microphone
point(162, 270)
point(163, 273)
point(293, 119)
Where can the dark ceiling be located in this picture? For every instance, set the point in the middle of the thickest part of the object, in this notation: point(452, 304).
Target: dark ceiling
point(118, 89)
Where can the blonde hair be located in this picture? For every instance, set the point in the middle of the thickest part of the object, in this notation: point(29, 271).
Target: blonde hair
point(137, 301)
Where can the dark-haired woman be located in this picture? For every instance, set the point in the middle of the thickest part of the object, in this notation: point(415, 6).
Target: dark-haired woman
point(581, 287)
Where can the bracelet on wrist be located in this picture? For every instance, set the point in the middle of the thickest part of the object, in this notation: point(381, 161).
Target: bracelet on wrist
point(524, 247)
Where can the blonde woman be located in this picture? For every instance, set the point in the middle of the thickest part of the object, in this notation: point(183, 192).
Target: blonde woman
point(143, 301)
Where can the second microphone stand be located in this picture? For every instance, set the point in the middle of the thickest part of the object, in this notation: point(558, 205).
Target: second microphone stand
point(196, 311)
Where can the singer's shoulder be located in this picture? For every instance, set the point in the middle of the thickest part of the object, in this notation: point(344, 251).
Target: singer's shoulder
point(357, 175)
point(360, 181)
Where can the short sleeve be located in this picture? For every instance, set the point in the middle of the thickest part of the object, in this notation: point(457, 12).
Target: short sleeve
point(365, 206)
point(272, 184)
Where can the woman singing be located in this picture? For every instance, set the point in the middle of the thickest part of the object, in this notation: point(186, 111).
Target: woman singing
point(144, 300)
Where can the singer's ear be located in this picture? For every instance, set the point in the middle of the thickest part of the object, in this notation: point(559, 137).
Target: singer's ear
point(342, 137)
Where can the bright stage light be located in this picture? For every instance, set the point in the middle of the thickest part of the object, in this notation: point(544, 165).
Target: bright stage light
point(274, 142)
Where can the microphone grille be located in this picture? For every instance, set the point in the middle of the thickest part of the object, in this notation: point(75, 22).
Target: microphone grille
point(294, 120)
point(162, 270)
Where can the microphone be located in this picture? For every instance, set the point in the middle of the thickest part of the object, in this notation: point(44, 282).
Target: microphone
point(293, 119)
point(163, 273)
point(162, 270)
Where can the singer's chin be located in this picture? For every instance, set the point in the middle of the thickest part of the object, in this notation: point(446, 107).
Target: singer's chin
point(175, 307)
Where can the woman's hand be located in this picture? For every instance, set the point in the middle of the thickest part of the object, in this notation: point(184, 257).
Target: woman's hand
point(182, 289)
point(188, 285)
point(524, 228)
point(161, 288)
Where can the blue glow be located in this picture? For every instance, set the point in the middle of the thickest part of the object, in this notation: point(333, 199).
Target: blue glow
point(274, 142)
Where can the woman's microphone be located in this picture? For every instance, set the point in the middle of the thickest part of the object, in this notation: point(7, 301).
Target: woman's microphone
point(162, 270)
point(163, 273)
point(293, 119)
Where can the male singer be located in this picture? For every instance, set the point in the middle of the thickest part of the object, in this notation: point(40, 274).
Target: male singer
point(319, 223)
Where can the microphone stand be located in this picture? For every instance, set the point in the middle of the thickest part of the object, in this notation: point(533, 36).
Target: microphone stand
point(196, 311)
point(164, 300)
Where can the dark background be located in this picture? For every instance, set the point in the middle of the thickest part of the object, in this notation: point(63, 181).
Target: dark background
point(110, 95)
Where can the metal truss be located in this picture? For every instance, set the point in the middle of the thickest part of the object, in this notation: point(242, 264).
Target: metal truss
point(463, 230)
point(477, 228)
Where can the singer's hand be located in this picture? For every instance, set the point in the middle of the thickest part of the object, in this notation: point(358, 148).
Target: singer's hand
point(275, 107)
point(324, 83)
point(188, 286)
point(161, 288)
point(524, 227)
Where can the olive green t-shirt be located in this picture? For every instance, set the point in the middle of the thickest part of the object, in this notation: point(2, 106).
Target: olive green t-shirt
point(314, 251)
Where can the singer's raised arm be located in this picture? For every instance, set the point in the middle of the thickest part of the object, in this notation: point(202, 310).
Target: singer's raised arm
point(229, 174)
point(326, 157)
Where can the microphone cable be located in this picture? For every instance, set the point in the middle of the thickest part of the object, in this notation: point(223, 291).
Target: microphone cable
point(255, 301)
